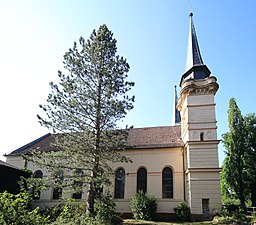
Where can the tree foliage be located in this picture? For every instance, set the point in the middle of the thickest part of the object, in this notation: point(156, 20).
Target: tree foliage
point(182, 212)
point(250, 155)
point(143, 206)
point(238, 177)
point(234, 142)
point(15, 210)
point(83, 109)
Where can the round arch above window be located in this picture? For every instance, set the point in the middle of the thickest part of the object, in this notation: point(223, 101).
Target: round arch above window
point(38, 174)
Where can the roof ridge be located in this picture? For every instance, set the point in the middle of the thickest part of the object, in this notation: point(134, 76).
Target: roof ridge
point(163, 126)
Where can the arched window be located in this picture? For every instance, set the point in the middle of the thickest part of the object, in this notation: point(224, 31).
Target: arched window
point(142, 180)
point(38, 174)
point(57, 192)
point(167, 183)
point(202, 136)
point(119, 183)
point(36, 193)
point(78, 184)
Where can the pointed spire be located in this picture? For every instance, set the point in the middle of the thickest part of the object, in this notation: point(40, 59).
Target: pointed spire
point(195, 67)
point(193, 52)
point(176, 114)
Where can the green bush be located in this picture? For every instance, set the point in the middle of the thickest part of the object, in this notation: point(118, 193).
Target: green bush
point(74, 213)
point(232, 213)
point(143, 206)
point(15, 210)
point(52, 213)
point(182, 212)
point(105, 210)
point(230, 210)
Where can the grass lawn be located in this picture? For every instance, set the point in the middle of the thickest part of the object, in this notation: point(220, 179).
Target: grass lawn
point(142, 222)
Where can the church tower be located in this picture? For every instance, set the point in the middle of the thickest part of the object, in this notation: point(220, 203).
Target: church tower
point(199, 132)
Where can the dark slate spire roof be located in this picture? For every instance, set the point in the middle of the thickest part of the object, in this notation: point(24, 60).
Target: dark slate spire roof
point(175, 114)
point(195, 68)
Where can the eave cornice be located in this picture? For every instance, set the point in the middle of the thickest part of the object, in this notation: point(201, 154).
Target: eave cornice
point(205, 86)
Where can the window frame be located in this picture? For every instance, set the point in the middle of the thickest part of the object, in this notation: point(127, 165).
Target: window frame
point(57, 191)
point(79, 184)
point(201, 136)
point(119, 189)
point(167, 183)
point(142, 179)
point(36, 193)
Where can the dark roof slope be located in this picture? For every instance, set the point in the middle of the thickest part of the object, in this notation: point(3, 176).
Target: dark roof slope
point(43, 144)
point(139, 138)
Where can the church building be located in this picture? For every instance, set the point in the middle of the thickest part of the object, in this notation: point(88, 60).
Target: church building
point(177, 163)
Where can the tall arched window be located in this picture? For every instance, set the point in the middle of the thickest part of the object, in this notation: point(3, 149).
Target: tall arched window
point(57, 192)
point(78, 184)
point(167, 183)
point(36, 193)
point(142, 180)
point(119, 183)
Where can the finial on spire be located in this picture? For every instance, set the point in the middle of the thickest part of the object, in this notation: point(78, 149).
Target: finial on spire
point(190, 12)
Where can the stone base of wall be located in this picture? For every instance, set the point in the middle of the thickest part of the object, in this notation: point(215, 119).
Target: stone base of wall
point(199, 217)
point(165, 217)
point(196, 217)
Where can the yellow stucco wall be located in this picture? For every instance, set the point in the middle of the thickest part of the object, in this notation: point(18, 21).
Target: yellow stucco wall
point(154, 160)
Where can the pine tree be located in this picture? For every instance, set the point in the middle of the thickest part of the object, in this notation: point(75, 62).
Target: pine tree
point(233, 171)
point(83, 109)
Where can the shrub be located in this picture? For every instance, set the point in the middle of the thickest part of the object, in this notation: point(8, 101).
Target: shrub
point(105, 210)
point(14, 209)
point(232, 210)
point(73, 213)
point(232, 213)
point(143, 206)
point(182, 212)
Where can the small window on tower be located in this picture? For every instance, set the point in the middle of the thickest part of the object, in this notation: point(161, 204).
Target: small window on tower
point(202, 136)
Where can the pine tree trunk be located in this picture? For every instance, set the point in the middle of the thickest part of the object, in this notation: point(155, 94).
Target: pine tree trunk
point(90, 200)
point(91, 193)
point(92, 189)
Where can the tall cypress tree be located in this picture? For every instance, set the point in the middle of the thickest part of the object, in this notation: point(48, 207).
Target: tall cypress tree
point(84, 107)
point(250, 155)
point(233, 171)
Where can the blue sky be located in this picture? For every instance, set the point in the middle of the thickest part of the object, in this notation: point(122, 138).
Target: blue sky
point(152, 35)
